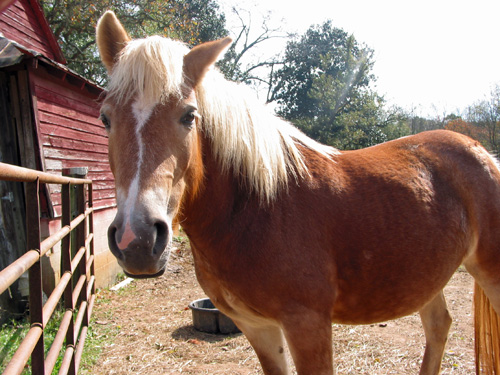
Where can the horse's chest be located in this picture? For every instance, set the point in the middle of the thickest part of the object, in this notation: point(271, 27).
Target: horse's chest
point(225, 299)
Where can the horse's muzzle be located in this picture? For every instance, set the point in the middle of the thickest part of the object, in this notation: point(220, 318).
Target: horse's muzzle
point(141, 250)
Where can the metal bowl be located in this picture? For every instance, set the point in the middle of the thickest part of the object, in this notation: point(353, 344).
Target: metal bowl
point(207, 318)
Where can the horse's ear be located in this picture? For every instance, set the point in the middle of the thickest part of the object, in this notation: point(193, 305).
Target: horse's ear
point(201, 58)
point(111, 38)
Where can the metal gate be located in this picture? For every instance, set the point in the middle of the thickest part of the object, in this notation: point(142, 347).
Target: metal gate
point(77, 283)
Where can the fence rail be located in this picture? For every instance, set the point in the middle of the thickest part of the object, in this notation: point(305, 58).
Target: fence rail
point(76, 286)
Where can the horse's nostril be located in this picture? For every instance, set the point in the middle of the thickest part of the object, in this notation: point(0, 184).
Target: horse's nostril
point(112, 243)
point(161, 237)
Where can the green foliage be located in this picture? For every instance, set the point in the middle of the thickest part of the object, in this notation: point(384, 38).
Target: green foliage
point(324, 87)
point(321, 51)
point(73, 23)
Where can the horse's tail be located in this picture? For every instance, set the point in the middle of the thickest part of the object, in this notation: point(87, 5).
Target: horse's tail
point(487, 334)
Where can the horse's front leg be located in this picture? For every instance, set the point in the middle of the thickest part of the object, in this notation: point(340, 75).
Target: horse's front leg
point(267, 341)
point(309, 337)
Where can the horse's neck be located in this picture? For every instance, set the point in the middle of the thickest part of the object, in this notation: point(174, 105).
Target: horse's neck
point(215, 203)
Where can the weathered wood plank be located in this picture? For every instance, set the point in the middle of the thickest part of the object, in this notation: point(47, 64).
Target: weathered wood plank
point(63, 154)
point(62, 132)
point(25, 125)
point(51, 114)
point(73, 144)
point(104, 196)
point(50, 90)
point(56, 165)
point(97, 186)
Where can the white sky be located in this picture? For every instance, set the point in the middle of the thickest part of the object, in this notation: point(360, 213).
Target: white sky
point(432, 55)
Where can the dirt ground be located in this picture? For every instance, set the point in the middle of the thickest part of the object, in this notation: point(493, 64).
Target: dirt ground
point(150, 332)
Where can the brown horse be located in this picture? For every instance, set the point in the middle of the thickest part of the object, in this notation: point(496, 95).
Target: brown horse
point(289, 235)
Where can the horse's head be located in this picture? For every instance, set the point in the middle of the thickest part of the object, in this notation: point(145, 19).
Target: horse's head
point(150, 113)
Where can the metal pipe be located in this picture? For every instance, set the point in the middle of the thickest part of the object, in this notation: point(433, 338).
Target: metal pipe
point(10, 172)
point(49, 242)
point(78, 288)
point(67, 361)
point(54, 298)
point(77, 258)
point(12, 272)
point(80, 347)
point(20, 358)
point(79, 318)
point(58, 342)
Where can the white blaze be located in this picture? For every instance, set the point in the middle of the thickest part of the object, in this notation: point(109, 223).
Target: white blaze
point(142, 112)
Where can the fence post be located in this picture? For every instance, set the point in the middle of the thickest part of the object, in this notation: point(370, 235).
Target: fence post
point(76, 206)
point(91, 230)
point(35, 272)
point(66, 267)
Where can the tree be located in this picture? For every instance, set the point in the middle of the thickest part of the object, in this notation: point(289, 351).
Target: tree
point(241, 62)
point(486, 115)
point(73, 23)
point(467, 128)
point(324, 88)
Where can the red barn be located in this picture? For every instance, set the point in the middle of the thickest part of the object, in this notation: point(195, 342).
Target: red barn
point(49, 121)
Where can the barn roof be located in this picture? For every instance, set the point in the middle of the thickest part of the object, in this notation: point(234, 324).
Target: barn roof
point(13, 53)
point(23, 21)
point(25, 33)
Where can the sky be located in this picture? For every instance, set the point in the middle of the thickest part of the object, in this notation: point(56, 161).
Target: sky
point(431, 56)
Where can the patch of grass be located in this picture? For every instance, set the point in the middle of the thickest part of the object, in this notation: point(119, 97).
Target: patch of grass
point(100, 334)
point(13, 333)
point(11, 336)
point(120, 276)
point(181, 239)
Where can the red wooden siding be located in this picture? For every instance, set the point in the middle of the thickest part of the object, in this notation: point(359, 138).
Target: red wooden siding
point(22, 23)
point(71, 135)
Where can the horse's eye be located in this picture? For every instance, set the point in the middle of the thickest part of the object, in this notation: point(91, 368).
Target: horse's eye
point(189, 119)
point(105, 121)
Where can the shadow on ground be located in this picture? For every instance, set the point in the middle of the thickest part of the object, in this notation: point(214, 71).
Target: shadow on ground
point(186, 333)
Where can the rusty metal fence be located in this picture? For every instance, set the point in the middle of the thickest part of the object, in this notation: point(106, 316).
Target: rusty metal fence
point(76, 288)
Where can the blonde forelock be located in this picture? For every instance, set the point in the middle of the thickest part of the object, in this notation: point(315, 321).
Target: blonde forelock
point(149, 69)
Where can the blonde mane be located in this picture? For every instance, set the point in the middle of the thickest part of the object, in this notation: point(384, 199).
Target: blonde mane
point(246, 138)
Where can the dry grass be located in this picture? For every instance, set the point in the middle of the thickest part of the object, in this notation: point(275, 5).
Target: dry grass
point(154, 333)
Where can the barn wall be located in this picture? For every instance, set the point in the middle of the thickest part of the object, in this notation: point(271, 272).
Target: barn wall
point(20, 23)
point(71, 136)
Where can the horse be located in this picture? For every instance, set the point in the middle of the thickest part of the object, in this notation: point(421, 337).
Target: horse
point(289, 235)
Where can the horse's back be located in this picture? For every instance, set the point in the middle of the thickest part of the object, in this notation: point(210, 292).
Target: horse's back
point(399, 218)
